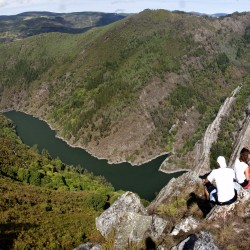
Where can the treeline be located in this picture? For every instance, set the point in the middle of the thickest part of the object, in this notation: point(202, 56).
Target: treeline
point(36, 208)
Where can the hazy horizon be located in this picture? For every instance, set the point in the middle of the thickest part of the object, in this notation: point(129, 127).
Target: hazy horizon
point(13, 7)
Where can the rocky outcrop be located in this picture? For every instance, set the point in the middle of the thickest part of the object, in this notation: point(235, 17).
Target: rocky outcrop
point(185, 225)
point(204, 241)
point(200, 155)
point(134, 228)
point(243, 139)
point(128, 202)
point(130, 222)
point(175, 187)
point(202, 150)
point(89, 246)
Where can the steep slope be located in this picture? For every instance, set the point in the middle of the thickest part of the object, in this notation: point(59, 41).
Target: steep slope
point(147, 84)
point(45, 203)
point(179, 218)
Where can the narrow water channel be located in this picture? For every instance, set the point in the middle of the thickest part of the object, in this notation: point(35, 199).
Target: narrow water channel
point(144, 180)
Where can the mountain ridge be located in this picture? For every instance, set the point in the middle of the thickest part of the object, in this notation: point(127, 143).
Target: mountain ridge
point(31, 23)
point(126, 90)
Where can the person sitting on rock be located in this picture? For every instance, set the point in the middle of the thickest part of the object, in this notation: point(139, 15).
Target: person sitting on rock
point(241, 168)
point(224, 193)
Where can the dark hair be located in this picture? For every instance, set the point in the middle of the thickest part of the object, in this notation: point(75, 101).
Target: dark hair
point(243, 150)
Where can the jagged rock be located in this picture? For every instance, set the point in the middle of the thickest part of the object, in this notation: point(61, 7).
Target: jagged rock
point(185, 225)
point(237, 227)
point(201, 161)
point(204, 241)
point(161, 248)
point(128, 202)
point(174, 187)
point(243, 140)
point(222, 212)
point(130, 227)
point(130, 221)
point(133, 227)
point(157, 227)
point(188, 243)
point(200, 155)
point(88, 246)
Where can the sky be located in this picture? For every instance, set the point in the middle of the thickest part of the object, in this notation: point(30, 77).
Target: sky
point(12, 7)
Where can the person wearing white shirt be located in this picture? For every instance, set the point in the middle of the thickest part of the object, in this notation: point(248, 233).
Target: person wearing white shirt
point(224, 193)
point(241, 168)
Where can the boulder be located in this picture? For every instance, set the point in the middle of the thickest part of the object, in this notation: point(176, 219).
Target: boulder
point(188, 243)
point(134, 228)
point(130, 222)
point(130, 228)
point(88, 246)
point(157, 227)
point(128, 202)
point(185, 225)
point(204, 241)
point(175, 187)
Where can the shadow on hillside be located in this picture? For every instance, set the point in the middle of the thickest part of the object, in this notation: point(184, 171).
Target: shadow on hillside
point(109, 18)
point(32, 32)
point(9, 232)
point(204, 205)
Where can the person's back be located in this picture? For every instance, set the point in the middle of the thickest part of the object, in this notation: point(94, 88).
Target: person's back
point(241, 168)
point(224, 193)
point(224, 179)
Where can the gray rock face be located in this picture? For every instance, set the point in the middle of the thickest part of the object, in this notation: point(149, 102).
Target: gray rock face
point(201, 162)
point(157, 227)
point(188, 243)
point(128, 202)
point(204, 241)
point(133, 228)
point(89, 246)
point(131, 223)
point(201, 151)
point(173, 188)
point(130, 227)
point(185, 225)
point(243, 139)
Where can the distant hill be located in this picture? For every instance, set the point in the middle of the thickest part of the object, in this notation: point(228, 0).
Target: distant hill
point(219, 14)
point(210, 15)
point(33, 23)
point(134, 89)
point(203, 14)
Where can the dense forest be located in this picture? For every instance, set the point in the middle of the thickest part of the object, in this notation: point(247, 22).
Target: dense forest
point(33, 23)
point(44, 203)
point(147, 74)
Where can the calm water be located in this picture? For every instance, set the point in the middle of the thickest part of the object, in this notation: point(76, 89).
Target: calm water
point(144, 180)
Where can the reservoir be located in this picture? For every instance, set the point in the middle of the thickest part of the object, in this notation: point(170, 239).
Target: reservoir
point(144, 180)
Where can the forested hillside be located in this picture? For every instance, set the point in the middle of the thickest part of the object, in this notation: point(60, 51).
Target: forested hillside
point(34, 23)
point(131, 90)
point(45, 203)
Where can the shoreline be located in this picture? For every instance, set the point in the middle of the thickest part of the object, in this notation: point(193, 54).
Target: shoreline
point(93, 155)
point(175, 171)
